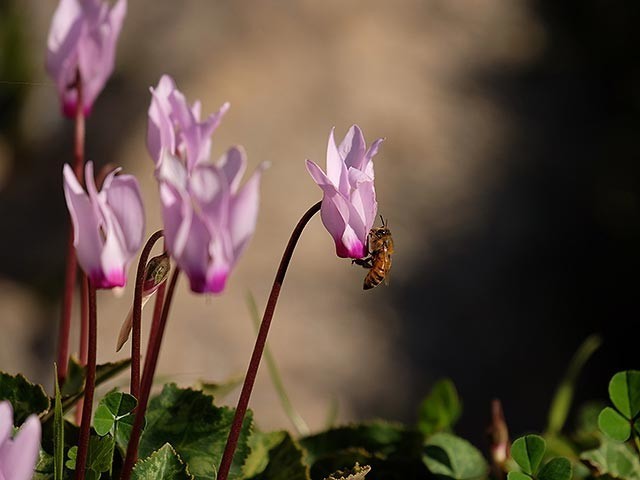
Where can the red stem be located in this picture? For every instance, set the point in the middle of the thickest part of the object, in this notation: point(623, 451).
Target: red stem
point(150, 363)
point(84, 331)
point(71, 262)
point(90, 383)
point(258, 349)
point(137, 314)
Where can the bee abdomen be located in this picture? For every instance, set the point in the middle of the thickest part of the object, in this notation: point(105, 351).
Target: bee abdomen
point(374, 277)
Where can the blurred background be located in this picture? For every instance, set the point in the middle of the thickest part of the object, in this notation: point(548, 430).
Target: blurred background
point(509, 176)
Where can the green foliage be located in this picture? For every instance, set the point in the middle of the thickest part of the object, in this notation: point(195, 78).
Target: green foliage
point(392, 450)
point(114, 415)
point(528, 452)
point(614, 459)
point(563, 397)
point(441, 409)
point(624, 391)
point(44, 467)
point(285, 461)
point(358, 472)
point(451, 456)
point(195, 428)
point(163, 464)
point(99, 457)
point(25, 397)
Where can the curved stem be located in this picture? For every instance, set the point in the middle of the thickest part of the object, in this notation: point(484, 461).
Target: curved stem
point(258, 349)
point(137, 314)
point(150, 363)
point(71, 262)
point(90, 383)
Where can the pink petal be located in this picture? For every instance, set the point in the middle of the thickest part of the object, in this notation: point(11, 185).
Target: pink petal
point(244, 212)
point(336, 170)
point(352, 148)
point(6, 421)
point(194, 258)
point(373, 150)
point(233, 164)
point(210, 192)
point(160, 132)
point(86, 232)
point(22, 453)
point(363, 197)
point(176, 217)
point(124, 199)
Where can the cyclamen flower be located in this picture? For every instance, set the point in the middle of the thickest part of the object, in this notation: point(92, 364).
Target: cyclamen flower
point(18, 455)
point(108, 225)
point(349, 203)
point(82, 41)
point(208, 218)
point(176, 128)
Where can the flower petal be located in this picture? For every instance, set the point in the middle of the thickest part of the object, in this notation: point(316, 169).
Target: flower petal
point(125, 201)
point(244, 212)
point(22, 452)
point(233, 164)
point(160, 131)
point(336, 170)
point(6, 421)
point(352, 148)
point(86, 228)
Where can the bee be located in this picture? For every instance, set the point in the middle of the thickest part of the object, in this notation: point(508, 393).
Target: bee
point(378, 259)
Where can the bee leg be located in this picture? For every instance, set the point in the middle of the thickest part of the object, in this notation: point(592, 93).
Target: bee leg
point(366, 262)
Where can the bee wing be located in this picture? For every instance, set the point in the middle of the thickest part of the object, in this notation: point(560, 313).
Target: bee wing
point(387, 265)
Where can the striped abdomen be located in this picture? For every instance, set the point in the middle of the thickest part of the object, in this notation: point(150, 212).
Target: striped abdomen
point(379, 270)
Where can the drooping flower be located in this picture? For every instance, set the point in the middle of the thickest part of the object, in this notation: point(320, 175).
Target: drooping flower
point(175, 127)
point(18, 455)
point(82, 42)
point(108, 225)
point(208, 218)
point(349, 203)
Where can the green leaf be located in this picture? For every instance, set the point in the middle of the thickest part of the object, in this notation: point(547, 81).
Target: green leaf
point(44, 467)
point(114, 415)
point(624, 390)
point(358, 472)
point(558, 468)
point(528, 451)
point(441, 409)
point(614, 425)
point(73, 389)
point(220, 390)
point(614, 459)
point(197, 430)
point(285, 462)
point(515, 475)
point(58, 429)
point(260, 444)
point(99, 457)
point(563, 397)
point(164, 464)
point(25, 397)
point(446, 454)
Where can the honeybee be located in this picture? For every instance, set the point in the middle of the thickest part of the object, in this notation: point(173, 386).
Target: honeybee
point(378, 259)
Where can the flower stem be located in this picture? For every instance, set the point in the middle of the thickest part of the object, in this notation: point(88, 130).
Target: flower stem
point(90, 384)
point(84, 331)
point(150, 363)
point(71, 262)
point(258, 349)
point(137, 314)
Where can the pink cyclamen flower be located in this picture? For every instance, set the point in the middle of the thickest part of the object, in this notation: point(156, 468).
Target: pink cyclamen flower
point(208, 218)
point(82, 40)
point(175, 127)
point(108, 225)
point(349, 203)
point(18, 455)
